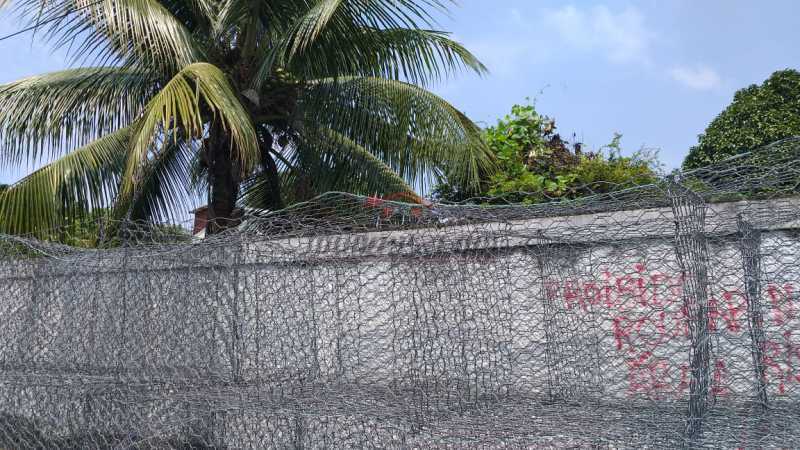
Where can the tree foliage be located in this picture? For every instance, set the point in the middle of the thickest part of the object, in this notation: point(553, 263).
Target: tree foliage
point(758, 115)
point(245, 102)
point(535, 164)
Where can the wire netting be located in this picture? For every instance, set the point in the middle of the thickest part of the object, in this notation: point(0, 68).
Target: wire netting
point(661, 316)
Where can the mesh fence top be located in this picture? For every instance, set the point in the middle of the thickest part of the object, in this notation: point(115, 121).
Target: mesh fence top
point(660, 316)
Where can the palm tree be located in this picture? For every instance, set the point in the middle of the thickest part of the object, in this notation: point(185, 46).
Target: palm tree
point(245, 101)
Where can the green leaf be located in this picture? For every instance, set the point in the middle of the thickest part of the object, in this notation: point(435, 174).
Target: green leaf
point(340, 38)
point(413, 131)
point(69, 187)
point(140, 33)
point(176, 113)
point(758, 115)
point(44, 114)
point(337, 163)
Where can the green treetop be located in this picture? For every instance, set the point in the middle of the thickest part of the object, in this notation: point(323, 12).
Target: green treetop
point(758, 115)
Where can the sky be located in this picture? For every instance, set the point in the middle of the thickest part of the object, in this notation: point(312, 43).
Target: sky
point(656, 71)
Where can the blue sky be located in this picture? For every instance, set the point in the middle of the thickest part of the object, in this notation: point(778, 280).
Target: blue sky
point(656, 71)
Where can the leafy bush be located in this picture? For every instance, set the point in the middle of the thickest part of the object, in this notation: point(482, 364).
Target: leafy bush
point(534, 164)
point(758, 115)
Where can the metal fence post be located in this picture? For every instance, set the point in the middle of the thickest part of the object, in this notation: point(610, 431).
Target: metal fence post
point(122, 352)
point(691, 248)
point(553, 353)
point(30, 346)
point(566, 372)
point(750, 247)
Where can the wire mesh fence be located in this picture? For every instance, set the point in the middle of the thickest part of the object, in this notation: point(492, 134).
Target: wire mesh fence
point(660, 316)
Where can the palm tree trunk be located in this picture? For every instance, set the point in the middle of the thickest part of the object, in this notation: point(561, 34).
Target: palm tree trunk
point(224, 178)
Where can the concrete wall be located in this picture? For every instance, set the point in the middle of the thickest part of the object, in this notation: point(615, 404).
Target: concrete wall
point(438, 319)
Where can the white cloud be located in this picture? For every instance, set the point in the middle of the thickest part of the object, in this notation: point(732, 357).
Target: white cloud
point(702, 78)
point(622, 36)
point(506, 57)
point(527, 38)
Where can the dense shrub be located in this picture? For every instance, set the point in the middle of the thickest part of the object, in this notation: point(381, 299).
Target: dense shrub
point(758, 115)
point(535, 164)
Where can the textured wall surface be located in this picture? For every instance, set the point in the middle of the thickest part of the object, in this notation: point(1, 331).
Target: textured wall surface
point(666, 326)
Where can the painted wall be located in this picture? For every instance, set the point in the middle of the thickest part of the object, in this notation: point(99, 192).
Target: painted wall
point(404, 323)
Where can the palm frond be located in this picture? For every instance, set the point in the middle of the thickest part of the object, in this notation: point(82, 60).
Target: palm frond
point(349, 167)
point(361, 126)
point(311, 24)
point(43, 114)
point(197, 16)
point(324, 160)
point(413, 131)
point(176, 112)
point(421, 57)
point(74, 184)
point(164, 189)
point(341, 14)
point(418, 56)
point(232, 14)
point(338, 39)
point(140, 33)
